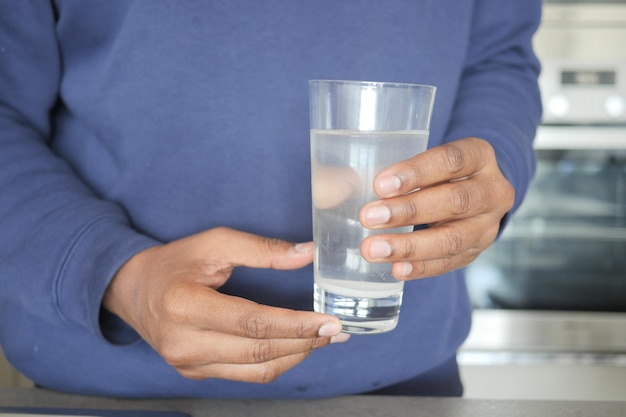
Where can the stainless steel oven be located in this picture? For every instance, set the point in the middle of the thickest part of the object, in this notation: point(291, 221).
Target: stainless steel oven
point(550, 294)
point(565, 248)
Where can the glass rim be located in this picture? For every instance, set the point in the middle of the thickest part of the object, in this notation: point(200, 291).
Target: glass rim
point(372, 83)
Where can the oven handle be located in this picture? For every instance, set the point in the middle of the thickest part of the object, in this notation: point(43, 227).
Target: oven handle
point(541, 230)
point(581, 137)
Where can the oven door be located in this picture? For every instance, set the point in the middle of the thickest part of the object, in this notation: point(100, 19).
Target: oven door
point(550, 294)
point(565, 248)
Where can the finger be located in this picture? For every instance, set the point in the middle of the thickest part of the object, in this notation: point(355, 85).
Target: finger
point(261, 373)
point(455, 160)
point(238, 248)
point(443, 241)
point(245, 318)
point(210, 347)
point(453, 200)
point(331, 186)
point(431, 268)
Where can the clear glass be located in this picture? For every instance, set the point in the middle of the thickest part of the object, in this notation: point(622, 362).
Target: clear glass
point(358, 129)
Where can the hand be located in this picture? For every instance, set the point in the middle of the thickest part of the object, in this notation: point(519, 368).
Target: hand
point(457, 190)
point(168, 294)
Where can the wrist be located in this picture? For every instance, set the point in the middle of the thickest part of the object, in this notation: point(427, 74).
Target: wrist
point(121, 293)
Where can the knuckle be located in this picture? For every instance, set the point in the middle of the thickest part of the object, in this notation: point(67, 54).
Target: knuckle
point(262, 351)
point(447, 263)
point(461, 199)
point(454, 243)
point(419, 268)
point(409, 208)
point(418, 172)
point(273, 244)
point(507, 194)
point(454, 157)
point(210, 266)
point(254, 326)
point(304, 329)
point(316, 342)
point(488, 236)
point(216, 270)
point(173, 354)
point(266, 373)
point(409, 249)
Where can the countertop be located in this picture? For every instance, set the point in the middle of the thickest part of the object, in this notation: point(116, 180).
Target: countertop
point(361, 406)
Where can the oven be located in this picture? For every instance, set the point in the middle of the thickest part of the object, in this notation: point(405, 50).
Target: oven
point(550, 295)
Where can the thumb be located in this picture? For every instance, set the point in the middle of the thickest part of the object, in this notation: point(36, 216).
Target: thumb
point(246, 249)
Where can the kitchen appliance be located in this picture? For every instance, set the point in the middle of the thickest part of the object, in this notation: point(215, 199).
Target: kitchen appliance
point(550, 294)
point(565, 248)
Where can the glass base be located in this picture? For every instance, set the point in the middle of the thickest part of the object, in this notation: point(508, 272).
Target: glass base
point(359, 315)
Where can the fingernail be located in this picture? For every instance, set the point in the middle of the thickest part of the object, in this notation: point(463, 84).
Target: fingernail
point(389, 184)
point(329, 329)
point(405, 269)
point(303, 248)
point(380, 249)
point(340, 338)
point(378, 214)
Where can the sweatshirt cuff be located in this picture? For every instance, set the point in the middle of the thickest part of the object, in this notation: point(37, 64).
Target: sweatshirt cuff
point(93, 257)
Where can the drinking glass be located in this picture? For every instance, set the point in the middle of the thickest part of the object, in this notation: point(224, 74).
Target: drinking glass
point(359, 128)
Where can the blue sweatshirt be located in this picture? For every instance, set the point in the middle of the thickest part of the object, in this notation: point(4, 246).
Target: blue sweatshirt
point(124, 124)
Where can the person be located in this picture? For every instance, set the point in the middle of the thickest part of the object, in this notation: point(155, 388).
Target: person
point(156, 203)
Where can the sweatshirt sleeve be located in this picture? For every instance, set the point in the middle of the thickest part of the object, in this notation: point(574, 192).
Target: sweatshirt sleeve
point(60, 244)
point(498, 98)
